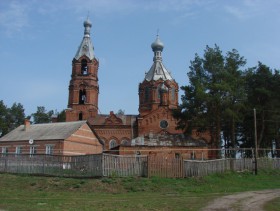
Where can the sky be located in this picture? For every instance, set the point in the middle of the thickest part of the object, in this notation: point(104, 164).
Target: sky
point(39, 39)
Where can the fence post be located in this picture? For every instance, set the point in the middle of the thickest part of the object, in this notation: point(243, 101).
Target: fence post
point(44, 164)
point(5, 169)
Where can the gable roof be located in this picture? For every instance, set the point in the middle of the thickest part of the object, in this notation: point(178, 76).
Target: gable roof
point(45, 131)
point(104, 119)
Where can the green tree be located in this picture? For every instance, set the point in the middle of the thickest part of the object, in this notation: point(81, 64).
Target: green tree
point(10, 118)
point(42, 115)
point(213, 99)
point(120, 112)
point(263, 94)
point(3, 114)
point(61, 116)
point(234, 98)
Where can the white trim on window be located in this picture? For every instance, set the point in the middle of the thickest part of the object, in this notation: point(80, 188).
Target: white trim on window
point(32, 150)
point(18, 150)
point(49, 149)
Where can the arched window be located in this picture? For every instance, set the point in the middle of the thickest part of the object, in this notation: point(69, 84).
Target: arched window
point(84, 67)
point(82, 97)
point(112, 144)
point(125, 142)
point(80, 116)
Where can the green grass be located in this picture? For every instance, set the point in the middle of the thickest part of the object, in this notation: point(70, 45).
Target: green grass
point(273, 205)
point(22, 192)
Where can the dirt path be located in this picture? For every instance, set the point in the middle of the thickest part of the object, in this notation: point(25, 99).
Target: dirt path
point(246, 201)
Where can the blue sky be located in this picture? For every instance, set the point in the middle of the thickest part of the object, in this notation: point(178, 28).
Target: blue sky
point(38, 40)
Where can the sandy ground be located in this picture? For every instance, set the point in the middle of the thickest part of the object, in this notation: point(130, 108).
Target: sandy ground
point(246, 201)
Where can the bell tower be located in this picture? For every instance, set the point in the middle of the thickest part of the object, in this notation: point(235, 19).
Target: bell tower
point(83, 87)
point(158, 88)
point(158, 96)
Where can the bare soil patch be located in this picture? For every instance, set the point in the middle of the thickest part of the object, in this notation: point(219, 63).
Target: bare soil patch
point(246, 201)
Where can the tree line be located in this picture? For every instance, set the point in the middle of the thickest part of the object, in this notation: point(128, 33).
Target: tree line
point(222, 95)
point(11, 118)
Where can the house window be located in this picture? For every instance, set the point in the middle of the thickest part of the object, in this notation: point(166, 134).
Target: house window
point(193, 156)
point(32, 151)
point(4, 151)
point(84, 67)
point(18, 150)
point(177, 155)
point(112, 144)
point(82, 97)
point(49, 149)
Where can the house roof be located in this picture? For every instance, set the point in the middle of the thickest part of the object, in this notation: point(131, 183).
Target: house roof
point(45, 131)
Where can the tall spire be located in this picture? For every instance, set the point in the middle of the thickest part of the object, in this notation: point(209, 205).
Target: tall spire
point(158, 71)
point(86, 47)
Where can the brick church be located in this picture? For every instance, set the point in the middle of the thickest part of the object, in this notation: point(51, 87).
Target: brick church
point(154, 126)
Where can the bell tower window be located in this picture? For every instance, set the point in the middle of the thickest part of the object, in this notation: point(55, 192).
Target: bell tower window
point(147, 94)
point(173, 94)
point(82, 97)
point(158, 92)
point(84, 67)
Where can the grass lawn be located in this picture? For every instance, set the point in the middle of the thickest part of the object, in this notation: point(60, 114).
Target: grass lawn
point(22, 192)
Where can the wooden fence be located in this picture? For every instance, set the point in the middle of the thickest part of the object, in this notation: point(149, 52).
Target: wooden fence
point(122, 166)
point(66, 166)
point(195, 168)
point(165, 167)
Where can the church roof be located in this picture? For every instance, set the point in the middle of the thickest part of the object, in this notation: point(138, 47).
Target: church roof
point(86, 47)
point(165, 139)
point(112, 119)
point(158, 71)
point(45, 131)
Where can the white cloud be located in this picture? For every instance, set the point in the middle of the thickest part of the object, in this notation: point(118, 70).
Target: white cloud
point(14, 17)
point(245, 9)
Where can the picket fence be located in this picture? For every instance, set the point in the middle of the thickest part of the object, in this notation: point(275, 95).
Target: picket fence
point(122, 166)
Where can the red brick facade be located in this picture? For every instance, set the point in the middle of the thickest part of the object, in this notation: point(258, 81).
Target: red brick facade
point(83, 89)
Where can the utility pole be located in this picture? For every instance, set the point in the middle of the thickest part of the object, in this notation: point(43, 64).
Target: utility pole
point(256, 142)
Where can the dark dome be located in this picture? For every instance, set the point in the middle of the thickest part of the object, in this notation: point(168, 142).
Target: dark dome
point(87, 23)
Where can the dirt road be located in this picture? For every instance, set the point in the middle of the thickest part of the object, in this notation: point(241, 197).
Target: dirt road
point(246, 201)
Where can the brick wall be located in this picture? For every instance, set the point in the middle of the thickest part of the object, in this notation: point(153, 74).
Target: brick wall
point(172, 152)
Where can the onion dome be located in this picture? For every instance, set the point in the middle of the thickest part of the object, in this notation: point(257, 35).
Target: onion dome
point(87, 23)
point(157, 45)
